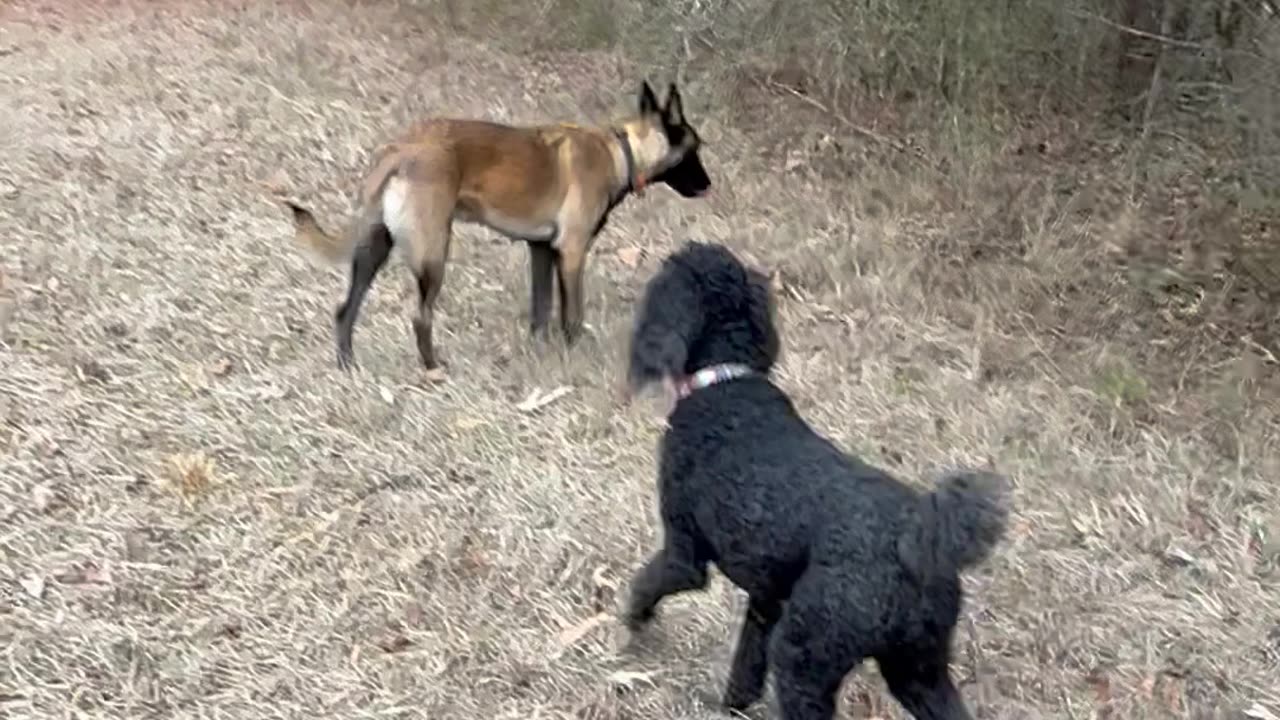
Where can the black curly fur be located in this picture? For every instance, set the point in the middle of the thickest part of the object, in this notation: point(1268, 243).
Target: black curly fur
point(840, 561)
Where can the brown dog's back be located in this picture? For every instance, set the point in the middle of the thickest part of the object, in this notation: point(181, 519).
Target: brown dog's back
point(493, 167)
point(496, 174)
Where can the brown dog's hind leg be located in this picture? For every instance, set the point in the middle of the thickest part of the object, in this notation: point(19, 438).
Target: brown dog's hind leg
point(428, 253)
point(430, 278)
point(542, 260)
point(569, 266)
point(372, 248)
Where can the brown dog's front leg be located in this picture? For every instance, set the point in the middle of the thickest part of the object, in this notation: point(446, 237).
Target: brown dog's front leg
point(428, 254)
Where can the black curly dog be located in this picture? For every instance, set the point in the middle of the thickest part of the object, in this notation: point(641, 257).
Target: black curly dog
point(841, 561)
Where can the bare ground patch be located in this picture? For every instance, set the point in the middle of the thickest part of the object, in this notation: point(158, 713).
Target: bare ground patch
point(200, 517)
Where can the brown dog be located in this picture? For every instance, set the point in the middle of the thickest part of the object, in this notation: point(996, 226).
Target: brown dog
point(552, 186)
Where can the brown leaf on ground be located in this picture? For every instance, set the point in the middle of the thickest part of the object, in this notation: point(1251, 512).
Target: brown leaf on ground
point(573, 634)
point(222, 367)
point(394, 643)
point(1100, 685)
point(33, 584)
point(87, 574)
point(7, 309)
point(277, 183)
point(630, 256)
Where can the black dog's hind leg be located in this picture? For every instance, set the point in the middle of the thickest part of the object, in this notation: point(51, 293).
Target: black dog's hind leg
point(816, 643)
point(920, 682)
point(677, 567)
point(807, 679)
point(750, 658)
point(542, 270)
point(371, 252)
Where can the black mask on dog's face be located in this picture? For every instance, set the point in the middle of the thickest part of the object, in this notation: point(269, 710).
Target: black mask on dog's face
point(687, 176)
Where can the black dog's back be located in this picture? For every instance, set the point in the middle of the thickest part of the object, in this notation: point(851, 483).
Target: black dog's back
point(771, 497)
point(840, 561)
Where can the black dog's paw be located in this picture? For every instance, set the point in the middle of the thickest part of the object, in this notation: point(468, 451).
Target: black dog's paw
point(743, 688)
point(641, 635)
point(345, 359)
point(708, 698)
point(737, 699)
point(637, 620)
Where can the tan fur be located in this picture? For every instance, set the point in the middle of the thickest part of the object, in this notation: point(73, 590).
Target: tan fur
point(309, 234)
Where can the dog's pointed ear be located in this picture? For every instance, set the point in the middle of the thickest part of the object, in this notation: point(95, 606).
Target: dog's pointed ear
point(648, 100)
point(674, 110)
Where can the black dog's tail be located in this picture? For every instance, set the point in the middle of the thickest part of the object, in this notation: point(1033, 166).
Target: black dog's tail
point(955, 526)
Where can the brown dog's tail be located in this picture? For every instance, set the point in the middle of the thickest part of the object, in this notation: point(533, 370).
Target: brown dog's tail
point(335, 249)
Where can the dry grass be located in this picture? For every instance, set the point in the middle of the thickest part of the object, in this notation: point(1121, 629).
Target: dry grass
point(200, 517)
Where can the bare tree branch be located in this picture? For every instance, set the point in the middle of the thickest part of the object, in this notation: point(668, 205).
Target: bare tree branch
point(1161, 37)
point(1165, 40)
point(1153, 94)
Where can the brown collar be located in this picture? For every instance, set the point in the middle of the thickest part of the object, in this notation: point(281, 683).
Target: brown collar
point(635, 181)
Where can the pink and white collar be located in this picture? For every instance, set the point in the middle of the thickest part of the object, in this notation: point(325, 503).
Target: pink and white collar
point(710, 375)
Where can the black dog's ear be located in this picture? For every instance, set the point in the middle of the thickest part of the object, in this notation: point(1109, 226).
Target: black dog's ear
point(762, 314)
point(648, 100)
point(667, 323)
point(674, 110)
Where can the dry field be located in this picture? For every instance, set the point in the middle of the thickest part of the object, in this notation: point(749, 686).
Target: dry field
point(200, 517)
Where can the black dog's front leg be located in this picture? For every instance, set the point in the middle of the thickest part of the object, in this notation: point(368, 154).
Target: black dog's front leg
point(923, 686)
point(750, 659)
point(671, 570)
